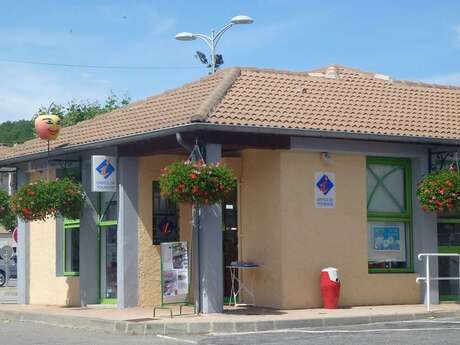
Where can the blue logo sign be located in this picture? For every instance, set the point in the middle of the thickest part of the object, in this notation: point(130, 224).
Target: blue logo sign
point(324, 184)
point(105, 169)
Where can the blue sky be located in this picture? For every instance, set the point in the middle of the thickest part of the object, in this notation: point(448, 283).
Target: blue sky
point(412, 40)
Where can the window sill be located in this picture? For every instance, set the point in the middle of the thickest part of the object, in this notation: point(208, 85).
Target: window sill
point(390, 270)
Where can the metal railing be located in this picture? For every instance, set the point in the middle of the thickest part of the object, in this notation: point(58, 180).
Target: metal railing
point(427, 279)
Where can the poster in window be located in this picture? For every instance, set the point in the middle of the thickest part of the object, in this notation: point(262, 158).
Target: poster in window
point(387, 242)
point(166, 229)
point(175, 272)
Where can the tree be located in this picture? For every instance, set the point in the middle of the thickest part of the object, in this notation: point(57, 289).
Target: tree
point(12, 132)
point(75, 112)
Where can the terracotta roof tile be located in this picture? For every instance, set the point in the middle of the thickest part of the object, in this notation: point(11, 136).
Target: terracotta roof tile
point(169, 109)
point(354, 102)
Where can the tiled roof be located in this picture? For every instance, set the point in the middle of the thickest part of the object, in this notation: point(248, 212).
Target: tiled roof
point(333, 99)
point(169, 109)
point(354, 102)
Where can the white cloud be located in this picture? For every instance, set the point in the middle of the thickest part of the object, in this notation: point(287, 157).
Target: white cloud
point(24, 89)
point(446, 79)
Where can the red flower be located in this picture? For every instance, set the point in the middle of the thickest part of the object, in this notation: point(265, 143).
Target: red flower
point(193, 176)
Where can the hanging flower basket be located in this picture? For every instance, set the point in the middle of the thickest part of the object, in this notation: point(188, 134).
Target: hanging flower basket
point(197, 182)
point(7, 217)
point(41, 199)
point(70, 199)
point(440, 191)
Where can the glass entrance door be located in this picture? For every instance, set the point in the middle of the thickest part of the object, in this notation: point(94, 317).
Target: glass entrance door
point(230, 239)
point(108, 210)
point(108, 269)
point(449, 242)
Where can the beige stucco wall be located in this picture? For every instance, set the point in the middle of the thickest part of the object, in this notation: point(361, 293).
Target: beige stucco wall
point(260, 224)
point(149, 255)
point(45, 286)
point(281, 229)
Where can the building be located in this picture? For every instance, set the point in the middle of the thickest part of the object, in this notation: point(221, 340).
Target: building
point(291, 138)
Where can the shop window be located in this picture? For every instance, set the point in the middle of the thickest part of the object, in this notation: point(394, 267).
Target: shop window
point(71, 248)
point(71, 229)
point(69, 169)
point(165, 217)
point(389, 214)
point(108, 206)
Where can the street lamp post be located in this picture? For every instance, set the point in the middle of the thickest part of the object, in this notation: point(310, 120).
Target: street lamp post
point(213, 39)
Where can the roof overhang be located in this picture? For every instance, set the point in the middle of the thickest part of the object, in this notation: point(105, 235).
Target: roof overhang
point(199, 126)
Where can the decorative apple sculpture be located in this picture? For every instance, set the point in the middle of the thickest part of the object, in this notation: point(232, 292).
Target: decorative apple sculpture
point(48, 126)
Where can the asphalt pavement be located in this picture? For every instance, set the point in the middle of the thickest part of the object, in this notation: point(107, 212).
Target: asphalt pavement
point(421, 332)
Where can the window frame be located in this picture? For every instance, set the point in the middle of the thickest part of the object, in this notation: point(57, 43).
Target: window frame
point(155, 240)
point(69, 225)
point(75, 173)
point(103, 223)
point(396, 217)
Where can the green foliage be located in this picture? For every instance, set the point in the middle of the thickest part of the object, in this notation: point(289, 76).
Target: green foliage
point(16, 132)
point(440, 191)
point(12, 132)
point(75, 112)
point(7, 217)
point(197, 182)
point(70, 198)
point(41, 199)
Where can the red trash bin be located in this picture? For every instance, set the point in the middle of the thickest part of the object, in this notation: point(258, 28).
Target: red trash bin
point(330, 287)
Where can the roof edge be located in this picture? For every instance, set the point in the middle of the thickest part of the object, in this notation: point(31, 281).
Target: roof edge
point(216, 96)
point(237, 129)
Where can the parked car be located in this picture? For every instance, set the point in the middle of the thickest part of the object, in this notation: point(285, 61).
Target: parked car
point(12, 270)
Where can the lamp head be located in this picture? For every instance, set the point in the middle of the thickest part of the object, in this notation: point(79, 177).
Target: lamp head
point(242, 20)
point(185, 36)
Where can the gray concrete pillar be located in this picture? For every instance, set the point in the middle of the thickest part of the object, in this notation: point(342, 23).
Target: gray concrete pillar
point(211, 249)
point(22, 251)
point(127, 239)
point(60, 247)
point(89, 251)
point(425, 232)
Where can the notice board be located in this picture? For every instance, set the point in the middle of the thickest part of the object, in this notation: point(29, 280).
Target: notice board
point(175, 272)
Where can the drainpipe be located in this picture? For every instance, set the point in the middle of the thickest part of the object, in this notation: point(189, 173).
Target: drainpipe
point(182, 143)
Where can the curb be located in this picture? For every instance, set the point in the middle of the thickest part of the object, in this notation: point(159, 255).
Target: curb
point(208, 327)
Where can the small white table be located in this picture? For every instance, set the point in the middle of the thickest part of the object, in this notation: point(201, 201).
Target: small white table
point(236, 278)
